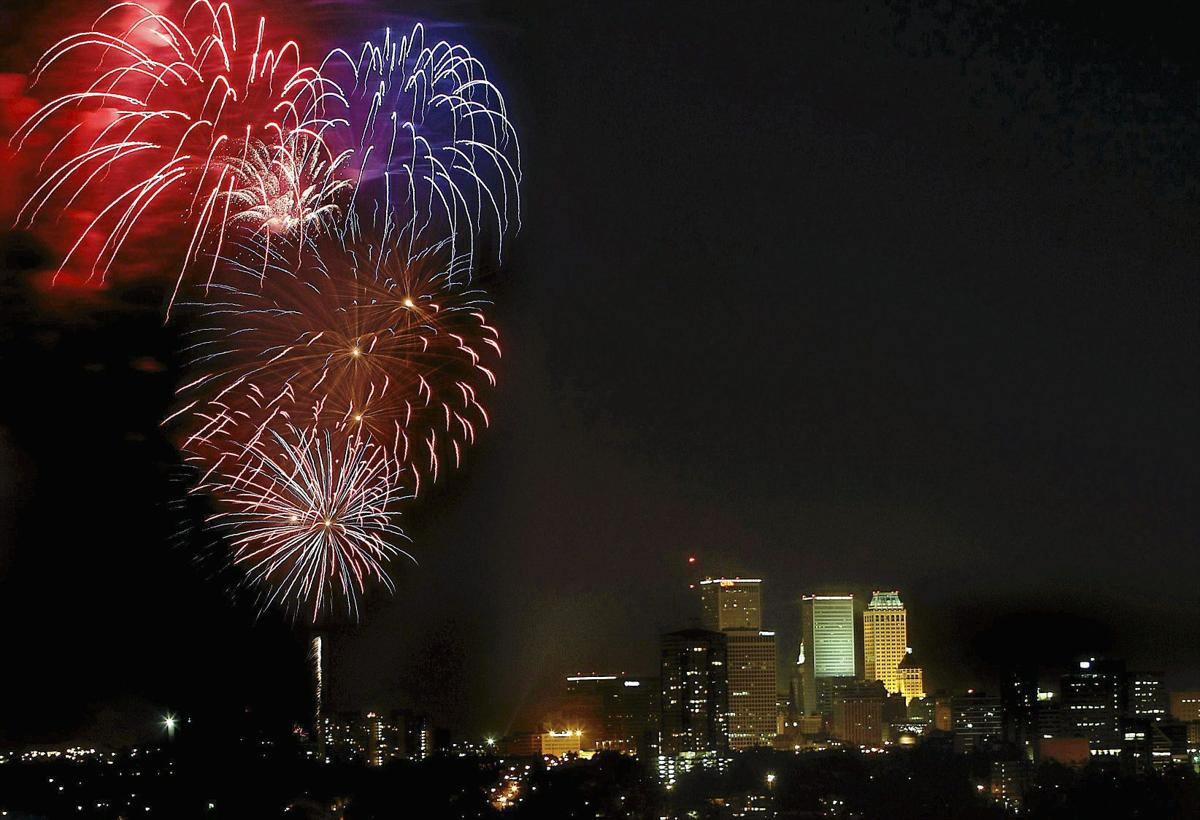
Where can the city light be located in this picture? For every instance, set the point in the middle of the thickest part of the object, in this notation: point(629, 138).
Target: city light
point(850, 298)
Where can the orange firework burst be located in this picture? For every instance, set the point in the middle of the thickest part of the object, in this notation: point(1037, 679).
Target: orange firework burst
point(355, 340)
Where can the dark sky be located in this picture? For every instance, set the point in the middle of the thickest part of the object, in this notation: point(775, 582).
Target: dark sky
point(838, 294)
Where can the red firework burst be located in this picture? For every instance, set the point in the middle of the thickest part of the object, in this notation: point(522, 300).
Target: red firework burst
point(159, 120)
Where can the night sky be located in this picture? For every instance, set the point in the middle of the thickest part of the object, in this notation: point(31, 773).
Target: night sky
point(840, 295)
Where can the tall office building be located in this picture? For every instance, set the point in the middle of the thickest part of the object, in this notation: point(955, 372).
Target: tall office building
point(375, 739)
point(633, 716)
point(734, 606)
point(858, 707)
point(977, 721)
point(1019, 701)
point(1147, 695)
point(753, 697)
point(347, 737)
point(1093, 702)
point(731, 603)
point(611, 712)
point(826, 648)
point(695, 699)
point(420, 737)
point(885, 639)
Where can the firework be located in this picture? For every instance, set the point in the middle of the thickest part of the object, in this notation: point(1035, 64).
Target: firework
point(309, 516)
point(159, 117)
point(332, 218)
point(316, 656)
point(359, 340)
point(291, 188)
point(433, 149)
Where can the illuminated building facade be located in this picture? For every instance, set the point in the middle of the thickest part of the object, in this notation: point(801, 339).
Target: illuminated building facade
point(695, 696)
point(858, 713)
point(346, 737)
point(827, 647)
point(731, 603)
point(1093, 702)
point(912, 678)
point(367, 738)
point(1018, 698)
point(885, 639)
point(374, 738)
point(613, 712)
point(1148, 696)
point(419, 735)
point(561, 743)
point(631, 720)
point(1144, 746)
point(977, 721)
point(1185, 706)
point(1050, 718)
point(753, 699)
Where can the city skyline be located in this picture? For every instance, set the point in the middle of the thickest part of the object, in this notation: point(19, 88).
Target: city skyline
point(597, 714)
point(689, 716)
point(863, 304)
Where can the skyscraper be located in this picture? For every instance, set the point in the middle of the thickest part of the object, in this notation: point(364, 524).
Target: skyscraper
point(612, 712)
point(375, 739)
point(858, 712)
point(731, 603)
point(752, 688)
point(977, 721)
point(826, 647)
point(695, 700)
point(885, 639)
point(1094, 699)
point(1147, 696)
point(1019, 703)
point(734, 606)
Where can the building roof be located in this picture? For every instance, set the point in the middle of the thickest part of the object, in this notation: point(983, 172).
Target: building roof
point(885, 599)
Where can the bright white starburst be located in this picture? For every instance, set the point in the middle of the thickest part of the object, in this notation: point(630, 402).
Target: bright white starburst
point(310, 516)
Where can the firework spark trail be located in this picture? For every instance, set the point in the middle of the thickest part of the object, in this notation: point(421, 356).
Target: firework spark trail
point(358, 340)
point(162, 116)
point(316, 656)
point(433, 147)
point(309, 516)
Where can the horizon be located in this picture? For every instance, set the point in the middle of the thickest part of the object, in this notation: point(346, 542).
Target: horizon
point(828, 296)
